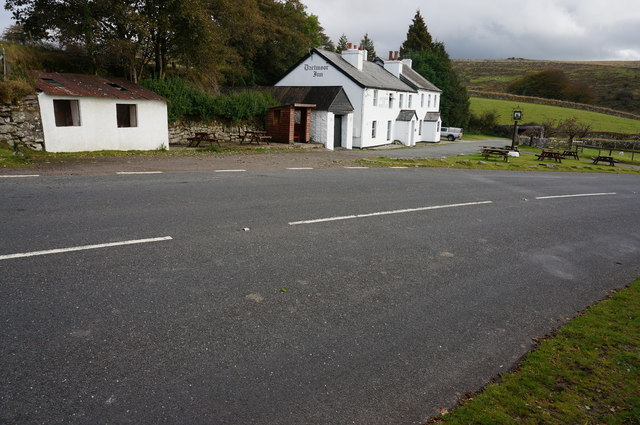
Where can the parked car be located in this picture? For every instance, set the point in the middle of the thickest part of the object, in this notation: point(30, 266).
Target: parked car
point(450, 133)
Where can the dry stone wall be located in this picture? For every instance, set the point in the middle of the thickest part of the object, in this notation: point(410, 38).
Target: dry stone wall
point(179, 132)
point(20, 122)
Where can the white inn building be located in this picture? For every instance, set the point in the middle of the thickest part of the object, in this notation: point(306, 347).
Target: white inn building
point(391, 102)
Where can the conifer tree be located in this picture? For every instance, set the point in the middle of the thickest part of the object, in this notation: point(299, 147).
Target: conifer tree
point(367, 44)
point(342, 44)
point(418, 37)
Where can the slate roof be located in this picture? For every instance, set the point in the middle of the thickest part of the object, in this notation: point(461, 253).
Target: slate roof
point(406, 115)
point(415, 80)
point(372, 75)
point(432, 116)
point(332, 98)
point(80, 85)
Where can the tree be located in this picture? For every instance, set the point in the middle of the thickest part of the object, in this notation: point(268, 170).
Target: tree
point(343, 44)
point(418, 37)
point(573, 128)
point(367, 44)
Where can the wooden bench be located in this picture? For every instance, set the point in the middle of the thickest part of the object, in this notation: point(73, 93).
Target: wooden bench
point(573, 154)
point(255, 136)
point(548, 154)
point(203, 138)
point(604, 158)
point(488, 152)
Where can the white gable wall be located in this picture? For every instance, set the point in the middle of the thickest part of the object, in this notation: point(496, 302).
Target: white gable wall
point(98, 129)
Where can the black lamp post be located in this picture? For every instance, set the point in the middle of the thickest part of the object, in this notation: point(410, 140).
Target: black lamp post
point(517, 116)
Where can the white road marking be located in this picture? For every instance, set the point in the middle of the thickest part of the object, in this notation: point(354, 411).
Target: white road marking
point(17, 176)
point(576, 195)
point(300, 168)
point(409, 210)
point(398, 168)
point(138, 172)
point(356, 168)
point(83, 248)
point(229, 171)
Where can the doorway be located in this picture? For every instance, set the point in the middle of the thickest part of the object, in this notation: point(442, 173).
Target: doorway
point(337, 131)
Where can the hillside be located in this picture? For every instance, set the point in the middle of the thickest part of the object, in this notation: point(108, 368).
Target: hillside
point(615, 84)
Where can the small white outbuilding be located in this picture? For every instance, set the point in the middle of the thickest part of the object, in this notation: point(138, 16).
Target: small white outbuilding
point(91, 113)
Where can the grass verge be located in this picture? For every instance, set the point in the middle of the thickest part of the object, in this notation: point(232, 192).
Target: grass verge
point(587, 373)
point(524, 163)
point(27, 157)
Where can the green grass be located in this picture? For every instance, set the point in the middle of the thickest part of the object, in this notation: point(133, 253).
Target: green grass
point(587, 373)
point(540, 113)
point(523, 163)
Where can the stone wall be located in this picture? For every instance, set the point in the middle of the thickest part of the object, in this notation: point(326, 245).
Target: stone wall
point(20, 122)
point(179, 132)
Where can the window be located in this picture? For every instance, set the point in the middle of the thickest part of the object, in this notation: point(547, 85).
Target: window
point(390, 100)
point(126, 115)
point(67, 113)
point(410, 101)
point(297, 116)
point(388, 130)
point(420, 128)
point(373, 129)
point(422, 100)
point(115, 86)
point(435, 101)
point(429, 101)
point(401, 101)
point(375, 98)
point(53, 82)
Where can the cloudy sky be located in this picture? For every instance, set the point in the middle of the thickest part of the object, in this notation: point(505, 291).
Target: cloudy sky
point(533, 29)
point(537, 29)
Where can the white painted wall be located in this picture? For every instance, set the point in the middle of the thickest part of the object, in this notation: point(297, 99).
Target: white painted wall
point(98, 128)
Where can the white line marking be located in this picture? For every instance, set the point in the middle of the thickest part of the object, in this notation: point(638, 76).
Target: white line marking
point(356, 168)
point(398, 168)
point(83, 248)
point(300, 168)
point(349, 217)
point(229, 171)
point(138, 172)
point(17, 176)
point(577, 195)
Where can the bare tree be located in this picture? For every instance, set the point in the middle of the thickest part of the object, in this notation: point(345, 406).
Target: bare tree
point(573, 128)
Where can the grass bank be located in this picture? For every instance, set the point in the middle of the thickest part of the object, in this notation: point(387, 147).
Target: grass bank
point(587, 373)
point(526, 162)
point(540, 113)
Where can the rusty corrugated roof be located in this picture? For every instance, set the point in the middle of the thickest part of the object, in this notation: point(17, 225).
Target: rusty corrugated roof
point(58, 84)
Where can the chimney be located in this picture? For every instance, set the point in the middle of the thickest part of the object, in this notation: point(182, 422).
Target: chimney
point(349, 46)
point(393, 65)
point(408, 62)
point(355, 56)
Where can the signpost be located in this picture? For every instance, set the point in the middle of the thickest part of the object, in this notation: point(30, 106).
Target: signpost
point(517, 116)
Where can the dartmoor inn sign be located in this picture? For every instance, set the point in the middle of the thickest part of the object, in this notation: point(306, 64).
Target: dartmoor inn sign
point(316, 68)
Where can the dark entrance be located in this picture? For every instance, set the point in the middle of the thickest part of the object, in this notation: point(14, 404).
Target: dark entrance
point(337, 131)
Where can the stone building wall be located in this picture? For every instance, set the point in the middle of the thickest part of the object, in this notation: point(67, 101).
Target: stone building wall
point(21, 122)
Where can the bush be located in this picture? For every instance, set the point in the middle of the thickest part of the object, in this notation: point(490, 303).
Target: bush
point(13, 90)
point(187, 102)
point(486, 122)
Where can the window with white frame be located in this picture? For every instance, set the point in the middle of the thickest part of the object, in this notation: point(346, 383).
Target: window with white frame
point(375, 98)
point(66, 112)
point(390, 100)
point(429, 104)
point(373, 129)
point(127, 115)
point(388, 130)
point(420, 128)
point(410, 101)
point(401, 103)
point(436, 101)
point(422, 100)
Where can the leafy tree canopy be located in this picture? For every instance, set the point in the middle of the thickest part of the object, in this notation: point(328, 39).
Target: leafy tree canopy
point(418, 37)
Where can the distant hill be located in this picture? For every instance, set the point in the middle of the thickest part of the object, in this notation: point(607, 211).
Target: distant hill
point(615, 84)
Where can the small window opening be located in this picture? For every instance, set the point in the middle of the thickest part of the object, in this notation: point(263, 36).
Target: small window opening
point(115, 86)
point(127, 115)
point(53, 82)
point(66, 112)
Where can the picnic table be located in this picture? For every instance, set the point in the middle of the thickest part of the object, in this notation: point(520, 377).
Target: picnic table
point(550, 154)
point(573, 153)
point(488, 151)
point(198, 138)
point(605, 158)
point(255, 136)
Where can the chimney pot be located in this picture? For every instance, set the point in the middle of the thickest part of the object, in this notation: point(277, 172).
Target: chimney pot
point(349, 45)
point(390, 55)
point(396, 55)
